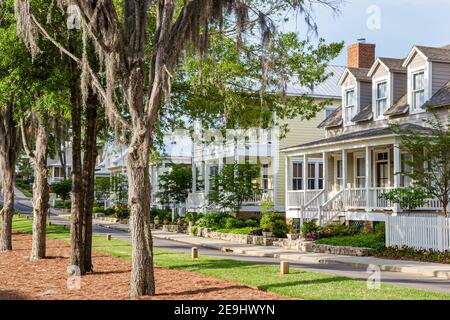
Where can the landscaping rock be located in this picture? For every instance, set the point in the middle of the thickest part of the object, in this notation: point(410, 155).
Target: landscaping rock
point(99, 215)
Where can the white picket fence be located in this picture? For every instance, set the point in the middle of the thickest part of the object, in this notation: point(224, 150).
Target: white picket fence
point(419, 232)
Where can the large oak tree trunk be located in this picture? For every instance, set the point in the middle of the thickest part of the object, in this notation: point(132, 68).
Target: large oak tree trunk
point(40, 192)
point(90, 156)
point(9, 148)
point(142, 275)
point(76, 226)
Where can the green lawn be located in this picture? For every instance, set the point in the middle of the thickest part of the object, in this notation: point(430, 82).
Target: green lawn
point(246, 230)
point(298, 284)
point(371, 240)
point(26, 192)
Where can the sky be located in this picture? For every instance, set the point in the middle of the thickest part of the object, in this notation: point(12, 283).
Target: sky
point(393, 25)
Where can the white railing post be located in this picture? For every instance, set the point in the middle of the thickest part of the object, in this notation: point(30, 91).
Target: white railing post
point(344, 173)
point(305, 178)
point(397, 170)
point(286, 182)
point(325, 175)
point(368, 176)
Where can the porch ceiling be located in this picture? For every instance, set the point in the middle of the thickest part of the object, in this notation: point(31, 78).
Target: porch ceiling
point(352, 137)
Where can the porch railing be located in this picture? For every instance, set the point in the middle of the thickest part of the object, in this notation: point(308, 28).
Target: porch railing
point(196, 200)
point(296, 198)
point(258, 198)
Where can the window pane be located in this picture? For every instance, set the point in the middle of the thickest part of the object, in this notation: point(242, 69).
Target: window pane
point(320, 170)
point(311, 170)
point(418, 81)
point(381, 90)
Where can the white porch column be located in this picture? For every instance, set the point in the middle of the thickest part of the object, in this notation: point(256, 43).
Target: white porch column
point(397, 171)
point(344, 175)
point(305, 177)
point(368, 176)
point(194, 176)
point(325, 175)
point(286, 182)
point(206, 177)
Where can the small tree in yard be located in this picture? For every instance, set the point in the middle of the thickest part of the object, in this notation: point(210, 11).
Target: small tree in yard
point(102, 188)
point(62, 189)
point(175, 184)
point(235, 184)
point(431, 158)
point(408, 198)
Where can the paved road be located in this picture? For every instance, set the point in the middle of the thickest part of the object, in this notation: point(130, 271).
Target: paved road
point(395, 278)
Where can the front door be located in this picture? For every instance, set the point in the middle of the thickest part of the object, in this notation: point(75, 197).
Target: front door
point(382, 170)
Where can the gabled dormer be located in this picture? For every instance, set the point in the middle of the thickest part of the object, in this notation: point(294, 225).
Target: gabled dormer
point(428, 70)
point(389, 82)
point(356, 93)
point(355, 84)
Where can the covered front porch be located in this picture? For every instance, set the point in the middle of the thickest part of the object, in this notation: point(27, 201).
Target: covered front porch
point(354, 176)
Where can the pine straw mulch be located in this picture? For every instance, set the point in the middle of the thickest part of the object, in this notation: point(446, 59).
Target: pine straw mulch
point(46, 279)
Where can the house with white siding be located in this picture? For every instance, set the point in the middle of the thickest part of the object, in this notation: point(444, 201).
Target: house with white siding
point(263, 147)
point(361, 155)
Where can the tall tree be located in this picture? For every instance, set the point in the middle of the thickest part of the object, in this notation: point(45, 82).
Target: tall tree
point(11, 55)
point(137, 82)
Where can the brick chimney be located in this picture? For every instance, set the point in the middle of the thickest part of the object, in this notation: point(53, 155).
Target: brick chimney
point(361, 54)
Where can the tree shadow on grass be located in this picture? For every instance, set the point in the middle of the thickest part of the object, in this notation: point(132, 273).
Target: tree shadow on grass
point(203, 290)
point(219, 264)
point(292, 283)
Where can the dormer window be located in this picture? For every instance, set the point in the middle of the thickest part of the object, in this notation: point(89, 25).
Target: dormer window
point(381, 98)
point(418, 90)
point(349, 105)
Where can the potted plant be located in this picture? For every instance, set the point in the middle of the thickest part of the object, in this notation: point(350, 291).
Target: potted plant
point(291, 235)
point(166, 221)
point(156, 221)
point(267, 232)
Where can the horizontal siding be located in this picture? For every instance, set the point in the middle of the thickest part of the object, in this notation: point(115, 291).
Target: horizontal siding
point(300, 132)
point(400, 85)
point(366, 94)
point(441, 75)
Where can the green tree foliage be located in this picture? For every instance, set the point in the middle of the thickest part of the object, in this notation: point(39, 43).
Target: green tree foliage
point(119, 187)
point(62, 189)
point(430, 161)
point(225, 89)
point(175, 184)
point(235, 184)
point(102, 188)
point(408, 198)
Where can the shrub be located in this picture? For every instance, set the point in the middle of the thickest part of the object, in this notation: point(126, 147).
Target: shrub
point(98, 210)
point(233, 223)
point(413, 254)
point(62, 189)
point(192, 216)
point(122, 213)
point(251, 223)
point(213, 220)
point(338, 230)
point(274, 222)
point(110, 211)
point(310, 230)
point(246, 230)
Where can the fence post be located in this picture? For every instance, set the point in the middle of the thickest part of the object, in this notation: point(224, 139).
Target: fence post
point(440, 233)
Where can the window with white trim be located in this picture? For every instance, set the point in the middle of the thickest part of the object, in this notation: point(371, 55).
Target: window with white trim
point(418, 90)
point(360, 176)
point(339, 177)
point(405, 167)
point(297, 175)
point(349, 105)
point(381, 101)
point(265, 177)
